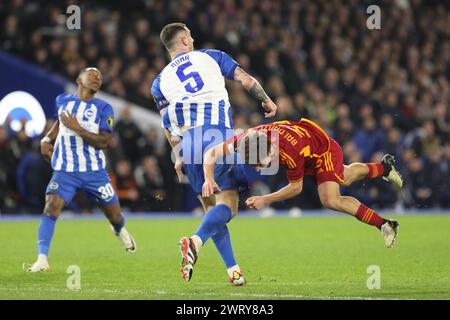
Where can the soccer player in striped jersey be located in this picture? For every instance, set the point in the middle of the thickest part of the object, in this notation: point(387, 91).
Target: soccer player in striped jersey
point(304, 148)
point(191, 96)
point(82, 131)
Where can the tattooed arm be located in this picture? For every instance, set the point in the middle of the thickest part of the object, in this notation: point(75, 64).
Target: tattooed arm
point(252, 86)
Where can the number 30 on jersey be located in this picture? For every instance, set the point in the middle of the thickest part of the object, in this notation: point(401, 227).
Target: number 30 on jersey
point(107, 191)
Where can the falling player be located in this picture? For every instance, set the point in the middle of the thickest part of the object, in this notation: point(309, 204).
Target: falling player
point(304, 148)
point(191, 97)
point(83, 129)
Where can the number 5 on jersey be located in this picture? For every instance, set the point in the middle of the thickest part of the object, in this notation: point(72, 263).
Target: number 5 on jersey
point(190, 75)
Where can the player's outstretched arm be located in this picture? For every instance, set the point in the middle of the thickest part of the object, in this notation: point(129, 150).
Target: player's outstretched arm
point(99, 141)
point(252, 86)
point(290, 191)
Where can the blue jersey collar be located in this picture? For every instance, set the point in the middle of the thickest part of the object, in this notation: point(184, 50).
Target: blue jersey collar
point(78, 98)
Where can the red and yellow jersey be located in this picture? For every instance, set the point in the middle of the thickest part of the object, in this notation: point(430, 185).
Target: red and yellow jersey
point(300, 145)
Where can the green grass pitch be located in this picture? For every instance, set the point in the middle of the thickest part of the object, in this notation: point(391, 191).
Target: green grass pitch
point(282, 258)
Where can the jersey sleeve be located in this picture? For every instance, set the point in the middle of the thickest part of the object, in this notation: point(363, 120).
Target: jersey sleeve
point(107, 119)
point(226, 63)
point(160, 100)
point(296, 171)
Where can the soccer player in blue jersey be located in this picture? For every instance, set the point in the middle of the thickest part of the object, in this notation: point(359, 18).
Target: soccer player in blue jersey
point(82, 131)
point(196, 115)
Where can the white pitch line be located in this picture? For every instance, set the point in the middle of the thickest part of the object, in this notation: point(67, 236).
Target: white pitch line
point(187, 294)
point(286, 284)
point(264, 295)
point(77, 291)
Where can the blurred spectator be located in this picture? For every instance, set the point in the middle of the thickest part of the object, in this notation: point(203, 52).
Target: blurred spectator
point(8, 164)
point(152, 185)
point(369, 139)
point(125, 185)
point(419, 186)
point(444, 191)
point(129, 135)
point(33, 175)
point(150, 143)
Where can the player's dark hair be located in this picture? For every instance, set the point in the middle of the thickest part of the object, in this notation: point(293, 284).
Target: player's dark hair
point(251, 147)
point(169, 33)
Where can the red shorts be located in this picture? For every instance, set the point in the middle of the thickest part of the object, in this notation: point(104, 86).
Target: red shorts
point(329, 166)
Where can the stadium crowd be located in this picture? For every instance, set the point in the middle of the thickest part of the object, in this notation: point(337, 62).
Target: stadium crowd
point(374, 91)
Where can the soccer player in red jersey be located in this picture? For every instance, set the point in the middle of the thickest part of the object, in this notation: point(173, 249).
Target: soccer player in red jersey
point(305, 149)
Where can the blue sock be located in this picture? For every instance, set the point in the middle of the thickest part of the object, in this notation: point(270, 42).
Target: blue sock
point(45, 233)
point(118, 227)
point(213, 221)
point(223, 244)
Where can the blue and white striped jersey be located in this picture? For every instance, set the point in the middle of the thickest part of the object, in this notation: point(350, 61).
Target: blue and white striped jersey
point(192, 88)
point(71, 153)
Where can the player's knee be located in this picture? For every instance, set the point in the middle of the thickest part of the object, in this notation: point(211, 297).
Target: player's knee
point(233, 208)
point(53, 205)
point(332, 203)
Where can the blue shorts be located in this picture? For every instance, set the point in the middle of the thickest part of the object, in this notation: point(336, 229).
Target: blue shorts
point(95, 183)
point(229, 175)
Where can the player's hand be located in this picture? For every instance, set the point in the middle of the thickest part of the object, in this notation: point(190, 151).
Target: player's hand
point(70, 121)
point(256, 202)
point(179, 169)
point(47, 150)
point(208, 188)
point(270, 107)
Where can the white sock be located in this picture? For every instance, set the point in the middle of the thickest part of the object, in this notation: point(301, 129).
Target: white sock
point(42, 257)
point(232, 269)
point(197, 242)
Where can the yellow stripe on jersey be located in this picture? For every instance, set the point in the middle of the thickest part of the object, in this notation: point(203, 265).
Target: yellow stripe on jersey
point(289, 161)
point(300, 131)
point(320, 129)
point(330, 163)
point(289, 164)
point(315, 125)
point(325, 160)
point(339, 178)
